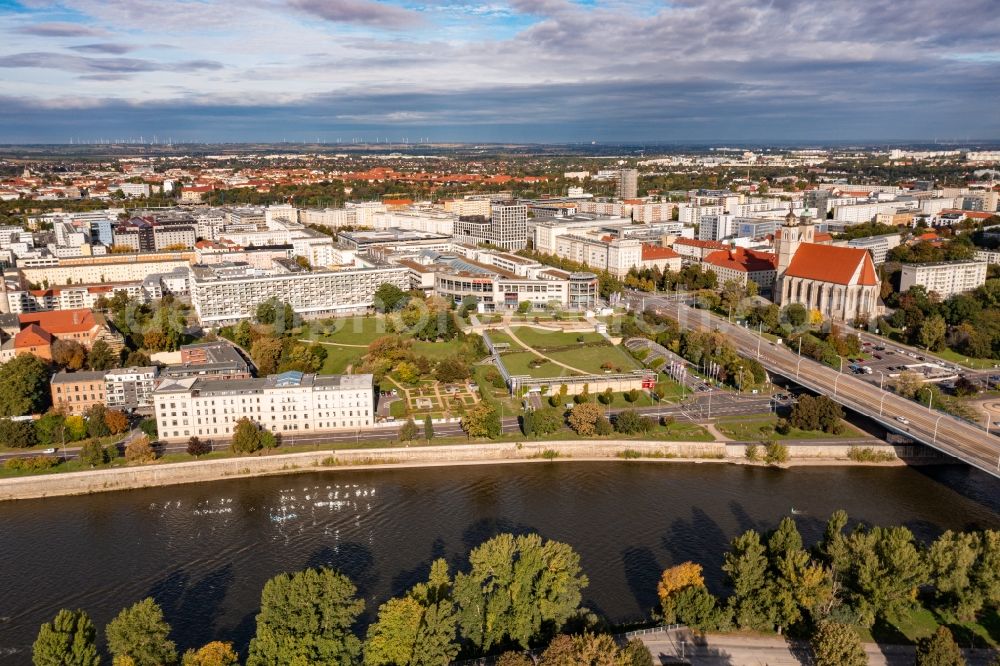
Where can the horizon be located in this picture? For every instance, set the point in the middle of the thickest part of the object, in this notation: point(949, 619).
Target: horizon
point(514, 71)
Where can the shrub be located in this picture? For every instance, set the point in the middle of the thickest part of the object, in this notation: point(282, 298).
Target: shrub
point(140, 450)
point(629, 454)
point(775, 453)
point(33, 464)
point(752, 453)
point(868, 454)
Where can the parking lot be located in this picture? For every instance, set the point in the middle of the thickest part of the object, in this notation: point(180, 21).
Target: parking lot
point(888, 361)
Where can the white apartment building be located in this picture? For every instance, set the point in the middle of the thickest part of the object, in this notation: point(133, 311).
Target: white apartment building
point(692, 214)
point(607, 208)
point(615, 255)
point(130, 388)
point(946, 278)
point(227, 293)
point(878, 246)
point(989, 256)
point(461, 207)
point(716, 227)
point(133, 189)
point(285, 212)
point(288, 404)
point(653, 212)
point(333, 218)
point(423, 218)
point(866, 212)
point(109, 268)
point(174, 236)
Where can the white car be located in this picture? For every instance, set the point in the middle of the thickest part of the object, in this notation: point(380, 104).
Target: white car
point(903, 420)
point(48, 451)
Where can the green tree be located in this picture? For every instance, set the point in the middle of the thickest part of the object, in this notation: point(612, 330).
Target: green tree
point(932, 333)
point(636, 653)
point(548, 420)
point(418, 629)
point(246, 437)
point(836, 644)
point(267, 312)
point(102, 357)
point(50, 428)
point(306, 618)
point(952, 558)
point(17, 434)
point(243, 334)
point(428, 428)
point(24, 386)
point(409, 431)
point(388, 296)
point(97, 425)
point(93, 454)
point(68, 640)
point(796, 314)
point(482, 420)
point(746, 569)
point(198, 447)
point(584, 650)
point(517, 587)
point(141, 634)
point(939, 649)
point(885, 573)
point(629, 422)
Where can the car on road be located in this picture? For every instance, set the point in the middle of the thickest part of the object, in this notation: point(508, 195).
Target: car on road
point(49, 451)
point(903, 420)
point(878, 357)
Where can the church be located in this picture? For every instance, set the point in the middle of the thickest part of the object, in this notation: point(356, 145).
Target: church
point(839, 282)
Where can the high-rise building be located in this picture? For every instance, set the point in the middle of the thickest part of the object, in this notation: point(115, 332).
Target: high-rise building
point(628, 184)
point(507, 227)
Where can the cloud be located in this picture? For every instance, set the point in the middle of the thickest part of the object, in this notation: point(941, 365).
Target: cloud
point(59, 30)
point(364, 12)
point(81, 64)
point(105, 48)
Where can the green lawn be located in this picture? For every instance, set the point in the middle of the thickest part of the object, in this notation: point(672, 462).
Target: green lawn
point(921, 622)
point(590, 359)
point(350, 330)
point(542, 339)
point(338, 358)
point(682, 432)
point(502, 337)
point(756, 427)
point(517, 364)
point(437, 350)
point(974, 363)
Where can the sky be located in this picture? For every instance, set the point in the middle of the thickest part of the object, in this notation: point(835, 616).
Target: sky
point(543, 71)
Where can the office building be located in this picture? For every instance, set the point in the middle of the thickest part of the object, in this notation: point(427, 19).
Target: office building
point(289, 404)
point(507, 227)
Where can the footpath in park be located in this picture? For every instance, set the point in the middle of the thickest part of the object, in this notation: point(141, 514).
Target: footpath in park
point(681, 646)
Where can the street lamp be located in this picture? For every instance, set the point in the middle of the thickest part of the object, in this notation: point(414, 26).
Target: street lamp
point(930, 393)
point(934, 441)
point(881, 378)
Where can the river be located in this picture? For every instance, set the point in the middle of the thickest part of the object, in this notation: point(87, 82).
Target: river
point(204, 551)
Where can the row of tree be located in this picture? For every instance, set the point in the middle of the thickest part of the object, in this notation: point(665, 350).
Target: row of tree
point(517, 592)
point(854, 579)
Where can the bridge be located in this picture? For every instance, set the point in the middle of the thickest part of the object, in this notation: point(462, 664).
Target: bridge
point(955, 437)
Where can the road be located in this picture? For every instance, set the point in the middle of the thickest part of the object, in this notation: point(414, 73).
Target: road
point(966, 441)
point(697, 409)
point(722, 650)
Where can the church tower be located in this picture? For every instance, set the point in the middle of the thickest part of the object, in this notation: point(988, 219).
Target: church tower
point(788, 243)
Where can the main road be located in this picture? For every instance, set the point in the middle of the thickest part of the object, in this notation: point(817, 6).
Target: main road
point(965, 441)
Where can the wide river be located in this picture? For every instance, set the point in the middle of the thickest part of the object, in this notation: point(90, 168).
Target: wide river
point(204, 551)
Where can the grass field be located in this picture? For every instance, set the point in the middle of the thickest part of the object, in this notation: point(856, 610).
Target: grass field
point(338, 358)
point(762, 427)
point(517, 364)
point(975, 363)
point(351, 330)
point(542, 339)
point(922, 622)
point(590, 359)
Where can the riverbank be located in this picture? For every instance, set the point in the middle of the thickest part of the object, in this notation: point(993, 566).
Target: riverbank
point(164, 474)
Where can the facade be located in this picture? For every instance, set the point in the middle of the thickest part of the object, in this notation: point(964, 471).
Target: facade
point(76, 392)
point(697, 249)
point(879, 246)
point(989, 256)
point(288, 404)
point(174, 236)
point(945, 278)
point(743, 265)
point(130, 388)
point(224, 294)
point(507, 227)
point(839, 282)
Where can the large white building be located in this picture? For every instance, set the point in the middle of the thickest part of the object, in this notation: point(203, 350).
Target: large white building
point(945, 278)
point(507, 227)
point(224, 294)
point(291, 403)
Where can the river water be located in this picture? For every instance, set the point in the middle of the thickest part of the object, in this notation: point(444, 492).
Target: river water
point(204, 551)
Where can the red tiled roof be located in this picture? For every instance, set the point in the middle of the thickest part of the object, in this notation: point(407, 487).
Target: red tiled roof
point(694, 242)
point(61, 321)
point(32, 336)
point(974, 214)
point(743, 259)
point(823, 238)
point(929, 236)
point(652, 252)
point(828, 263)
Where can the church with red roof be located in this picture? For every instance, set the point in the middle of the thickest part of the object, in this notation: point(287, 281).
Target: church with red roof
point(839, 282)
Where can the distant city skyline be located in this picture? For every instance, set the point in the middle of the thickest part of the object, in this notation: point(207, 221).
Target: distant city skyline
point(505, 71)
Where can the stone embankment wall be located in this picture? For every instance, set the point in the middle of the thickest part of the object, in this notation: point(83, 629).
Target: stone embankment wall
point(123, 478)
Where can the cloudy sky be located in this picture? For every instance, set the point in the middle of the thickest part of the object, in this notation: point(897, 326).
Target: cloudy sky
point(506, 70)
